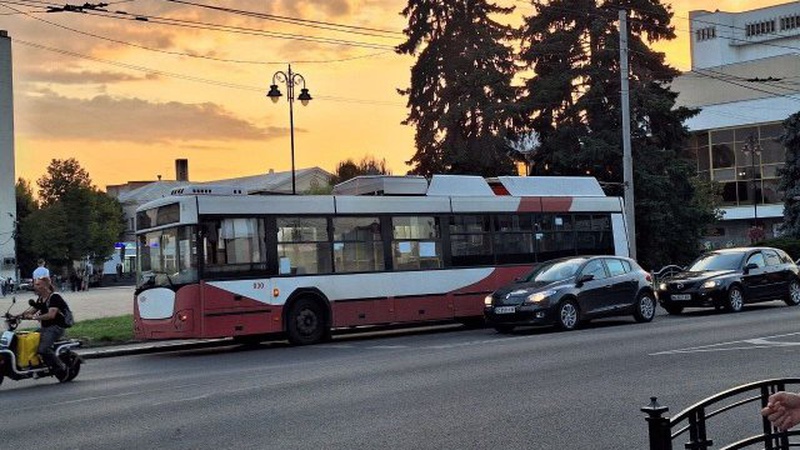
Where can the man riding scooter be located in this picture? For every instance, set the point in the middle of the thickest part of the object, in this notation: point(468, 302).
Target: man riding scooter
point(49, 311)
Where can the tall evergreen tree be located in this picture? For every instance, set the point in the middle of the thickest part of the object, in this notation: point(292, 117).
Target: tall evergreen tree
point(573, 101)
point(460, 93)
point(790, 176)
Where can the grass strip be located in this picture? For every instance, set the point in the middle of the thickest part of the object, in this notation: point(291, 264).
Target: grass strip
point(104, 331)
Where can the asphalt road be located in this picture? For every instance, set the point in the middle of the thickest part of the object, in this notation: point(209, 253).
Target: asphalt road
point(449, 388)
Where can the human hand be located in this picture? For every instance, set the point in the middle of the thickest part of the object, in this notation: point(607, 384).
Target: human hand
point(783, 410)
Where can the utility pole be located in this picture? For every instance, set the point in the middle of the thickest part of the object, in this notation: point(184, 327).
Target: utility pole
point(627, 156)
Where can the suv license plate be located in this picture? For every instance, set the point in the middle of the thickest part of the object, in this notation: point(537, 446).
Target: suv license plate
point(505, 310)
point(681, 296)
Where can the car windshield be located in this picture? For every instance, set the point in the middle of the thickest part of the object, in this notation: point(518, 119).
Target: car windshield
point(717, 261)
point(555, 271)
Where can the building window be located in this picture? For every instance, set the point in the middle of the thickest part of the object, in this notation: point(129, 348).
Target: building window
point(760, 28)
point(704, 34)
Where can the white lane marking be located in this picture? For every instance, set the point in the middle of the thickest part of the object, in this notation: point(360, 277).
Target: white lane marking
point(755, 343)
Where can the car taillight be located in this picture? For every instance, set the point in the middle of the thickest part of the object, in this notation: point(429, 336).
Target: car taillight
point(648, 278)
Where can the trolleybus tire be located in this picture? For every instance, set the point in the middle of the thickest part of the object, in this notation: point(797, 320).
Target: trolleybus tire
point(305, 322)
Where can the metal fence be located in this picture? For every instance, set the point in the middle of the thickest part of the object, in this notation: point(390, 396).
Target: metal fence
point(695, 420)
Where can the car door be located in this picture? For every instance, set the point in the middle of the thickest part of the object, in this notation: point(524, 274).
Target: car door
point(755, 280)
point(778, 274)
point(623, 283)
point(594, 294)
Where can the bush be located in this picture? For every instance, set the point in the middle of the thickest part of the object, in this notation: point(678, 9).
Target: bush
point(789, 245)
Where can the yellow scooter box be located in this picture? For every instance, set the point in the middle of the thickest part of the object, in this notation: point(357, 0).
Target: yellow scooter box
point(27, 349)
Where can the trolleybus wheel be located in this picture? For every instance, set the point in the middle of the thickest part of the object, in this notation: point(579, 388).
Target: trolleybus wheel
point(305, 322)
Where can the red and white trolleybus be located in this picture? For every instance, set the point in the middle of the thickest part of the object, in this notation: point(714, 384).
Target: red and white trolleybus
point(216, 262)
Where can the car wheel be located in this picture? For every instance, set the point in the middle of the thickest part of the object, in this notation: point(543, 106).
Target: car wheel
point(305, 323)
point(568, 315)
point(793, 296)
point(735, 299)
point(673, 309)
point(644, 308)
point(504, 329)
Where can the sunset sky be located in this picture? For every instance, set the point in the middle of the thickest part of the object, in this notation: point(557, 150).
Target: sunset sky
point(127, 97)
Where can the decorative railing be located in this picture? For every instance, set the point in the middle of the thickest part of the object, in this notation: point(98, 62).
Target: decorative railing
point(694, 420)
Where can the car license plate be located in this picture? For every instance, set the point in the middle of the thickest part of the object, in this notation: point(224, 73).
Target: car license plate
point(505, 310)
point(681, 296)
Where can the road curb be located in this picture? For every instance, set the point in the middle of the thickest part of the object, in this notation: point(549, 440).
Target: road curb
point(155, 347)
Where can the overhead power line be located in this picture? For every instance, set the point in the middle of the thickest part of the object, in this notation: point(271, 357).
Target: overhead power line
point(192, 78)
point(177, 53)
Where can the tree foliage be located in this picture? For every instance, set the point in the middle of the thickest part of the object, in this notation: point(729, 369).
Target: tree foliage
point(790, 176)
point(75, 220)
point(573, 103)
point(368, 165)
point(62, 175)
point(26, 205)
point(460, 94)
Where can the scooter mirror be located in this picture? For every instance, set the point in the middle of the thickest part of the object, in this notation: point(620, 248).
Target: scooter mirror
point(32, 302)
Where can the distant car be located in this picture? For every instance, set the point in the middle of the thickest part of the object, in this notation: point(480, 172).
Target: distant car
point(26, 284)
point(730, 278)
point(568, 291)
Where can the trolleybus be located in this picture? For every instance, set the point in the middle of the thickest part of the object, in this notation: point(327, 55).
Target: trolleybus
point(213, 261)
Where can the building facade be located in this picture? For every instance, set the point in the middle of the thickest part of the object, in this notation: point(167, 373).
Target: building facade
point(8, 203)
point(745, 81)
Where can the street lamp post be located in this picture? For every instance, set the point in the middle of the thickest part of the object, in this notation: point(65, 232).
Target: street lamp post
point(753, 148)
point(289, 78)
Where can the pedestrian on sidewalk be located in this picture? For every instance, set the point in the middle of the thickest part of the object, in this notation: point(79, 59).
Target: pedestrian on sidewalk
point(41, 271)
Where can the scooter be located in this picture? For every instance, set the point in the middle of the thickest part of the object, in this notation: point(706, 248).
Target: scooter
point(18, 352)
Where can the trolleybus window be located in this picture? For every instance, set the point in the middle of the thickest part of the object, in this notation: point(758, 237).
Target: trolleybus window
point(513, 239)
point(470, 241)
point(303, 245)
point(167, 257)
point(357, 244)
point(233, 246)
point(416, 243)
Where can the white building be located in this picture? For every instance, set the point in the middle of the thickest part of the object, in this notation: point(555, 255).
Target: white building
point(745, 78)
point(8, 203)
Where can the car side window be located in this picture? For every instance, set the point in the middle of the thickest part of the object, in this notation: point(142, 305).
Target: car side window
point(772, 258)
point(615, 267)
point(757, 259)
point(596, 268)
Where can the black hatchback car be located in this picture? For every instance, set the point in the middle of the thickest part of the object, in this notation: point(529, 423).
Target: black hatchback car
point(730, 278)
point(567, 291)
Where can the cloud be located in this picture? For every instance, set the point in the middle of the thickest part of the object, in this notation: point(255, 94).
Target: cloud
point(106, 118)
point(83, 77)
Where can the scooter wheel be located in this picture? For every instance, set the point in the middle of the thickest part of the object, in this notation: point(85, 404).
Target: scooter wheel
point(74, 369)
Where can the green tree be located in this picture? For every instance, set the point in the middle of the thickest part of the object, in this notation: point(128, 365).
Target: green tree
point(62, 175)
point(368, 165)
point(460, 95)
point(76, 220)
point(26, 205)
point(790, 176)
point(573, 102)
